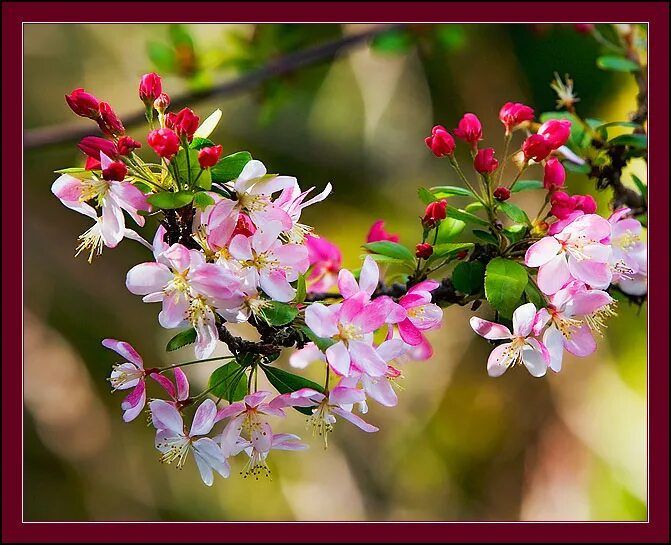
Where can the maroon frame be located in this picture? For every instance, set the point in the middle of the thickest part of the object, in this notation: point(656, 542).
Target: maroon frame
point(657, 527)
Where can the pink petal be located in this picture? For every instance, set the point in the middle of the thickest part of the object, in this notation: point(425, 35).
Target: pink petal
point(581, 343)
point(381, 391)
point(203, 420)
point(67, 188)
point(182, 384)
point(147, 278)
point(554, 342)
point(553, 275)
point(341, 395)
point(207, 337)
point(174, 310)
point(347, 284)
point(320, 319)
point(500, 359)
point(165, 416)
point(261, 437)
point(354, 419)
point(178, 256)
point(276, 285)
point(523, 319)
point(133, 412)
point(165, 384)
point(135, 397)
point(391, 349)
point(596, 275)
point(490, 330)
point(369, 276)
point(112, 224)
point(409, 333)
point(372, 316)
point(534, 361)
point(541, 252)
point(339, 359)
point(252, 170)
point(125, 350)
point(367, 359)
point(241, 248)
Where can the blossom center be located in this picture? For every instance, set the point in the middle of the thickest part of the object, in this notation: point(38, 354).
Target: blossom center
point(349, 332)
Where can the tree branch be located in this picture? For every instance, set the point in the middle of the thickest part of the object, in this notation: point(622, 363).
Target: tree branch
point(59, 134)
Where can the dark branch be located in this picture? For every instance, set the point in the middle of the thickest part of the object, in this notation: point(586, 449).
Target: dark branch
point(58, 134)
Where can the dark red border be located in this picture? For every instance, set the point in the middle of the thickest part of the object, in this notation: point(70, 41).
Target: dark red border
point(656, 530)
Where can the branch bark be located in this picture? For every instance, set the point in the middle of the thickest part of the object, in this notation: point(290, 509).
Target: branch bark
point(62, 133)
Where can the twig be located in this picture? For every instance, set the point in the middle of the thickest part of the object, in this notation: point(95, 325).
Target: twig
point(58, 134)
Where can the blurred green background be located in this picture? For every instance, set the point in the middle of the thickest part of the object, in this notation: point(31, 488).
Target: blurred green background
point(460, 445)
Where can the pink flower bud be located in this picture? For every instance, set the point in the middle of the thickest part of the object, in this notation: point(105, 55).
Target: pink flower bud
point(562, 204)
point(556, 132)
point(150, 88)
point(183, 123)
point(512, 114)
point(554, 176)
point(108, 121)
point(377, 233)
point(469, 129)
point(536, 147)
point(161, 103)
point(115, 171)
point(164, 142)
point(126, 145)
point(93, 145)
point(502, 193)
point(484, 161)
point(424, 250)
point(83, 104)
point(585, 203)
point(208, 157)
point(434, 212)
point(440, 142)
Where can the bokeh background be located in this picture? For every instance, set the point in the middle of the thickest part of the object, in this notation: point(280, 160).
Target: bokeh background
point(459, 446)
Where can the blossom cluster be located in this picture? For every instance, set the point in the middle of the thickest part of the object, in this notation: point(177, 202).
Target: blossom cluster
point(229, 247)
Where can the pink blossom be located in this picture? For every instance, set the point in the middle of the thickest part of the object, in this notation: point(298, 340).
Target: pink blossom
point(381, 388)
point(422, 314)
point(629, 260)
point(522, 348)
point(175, 444)
point(130, 374)
point(556, 132)
point(469, 129)
point(179, 392)
point(268, 263)
point(575, 252)
point(485, 162)
point(554, 175)
point(513, 114)
point(292, 201)
point(377, 232)
point(575, 313)
point(190, 290)
point(325, 260)
point(440, 142)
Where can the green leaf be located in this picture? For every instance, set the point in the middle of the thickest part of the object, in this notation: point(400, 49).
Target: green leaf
point(230, 167)
point(638, 141)
point(468, 277)
point(523, 185)
point(474, 207)
point(514, 212)
point(444, 191)
point(462, 215)
point(200, 143)
point(442, 251)
point(169, 200)
point(425, 195)
point(642, 187)
point(516, 232)
point(301, 289)
point(202, 200)
point(188, 336)
point(534, 295)
point(486, 236)
point(449, 228)
point(505, 281)
point(390, 249)
point(277, 314)
point(629, 124)
point(162, 55)
point(285, 382)
point(227, 382)
point(321, 342)
point(202, 179)
point(617, 64)
point(394, 41)
point(577, 169)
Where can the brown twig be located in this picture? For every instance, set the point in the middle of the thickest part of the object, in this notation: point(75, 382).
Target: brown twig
point(59, 134)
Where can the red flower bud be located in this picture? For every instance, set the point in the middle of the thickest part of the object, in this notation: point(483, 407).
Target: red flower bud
point(115, 171)
point(424, 250)
point(562, 204)
point(469, 129)
point(162, 102)
point(440, 142)
point(126, 145)
point(208, 157)
point(584, 28)
point(164, 142)
point(244, 226)
point(150, 88)
point(484, 161)
point(554, 176)
point(462, 254)
point(586, 203)
point(83, 104)
point(434, 212)
point(108, 121)
point(502, 193)
point(513, 114)
point(536, 147)
point(93, 145)
point(184, 123)
point(377, 233)
point(556, 132)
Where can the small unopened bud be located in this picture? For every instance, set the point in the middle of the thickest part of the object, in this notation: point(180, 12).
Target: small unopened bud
point(115, 171)
point(208, 157)
point(161, 103)
point(126, 145)
point(502, 193)
point(109, 122)
point(164, 142)
point(83, 104)
point(150, 88)
point(554, 175)
point(440, 142)
point(469, 129)
point(513, 114)
point(424, 250)
point(434, 213)
point(484, 161)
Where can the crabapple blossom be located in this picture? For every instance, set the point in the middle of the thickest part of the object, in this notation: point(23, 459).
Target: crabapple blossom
point(575, 252)
point(292, 201)
point(325, 262)
point(469, 129)
point(377, 232)
point(556, 132)
point(130, 374)
point(629, 258)
point(554, 175)
point(513, 114)
point(484, 161)
point(422, 314)
point(522, 348)
point(150, 88)
point(440, 142)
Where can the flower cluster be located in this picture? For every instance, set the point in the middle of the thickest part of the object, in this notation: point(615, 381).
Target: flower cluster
point(229, 247)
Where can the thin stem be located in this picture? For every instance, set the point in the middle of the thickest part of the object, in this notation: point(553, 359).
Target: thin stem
point(456, 167)
point(163, 369)
point(328, 376)
point(508, 139)
point(524, 167)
